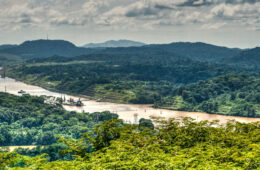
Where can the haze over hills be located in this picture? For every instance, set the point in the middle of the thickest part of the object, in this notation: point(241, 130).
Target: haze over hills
point(115, 43)
point(248, 58)
point(197, 51)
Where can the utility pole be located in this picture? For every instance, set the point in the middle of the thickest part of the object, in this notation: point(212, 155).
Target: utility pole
point(4, 74)
point(136, 118)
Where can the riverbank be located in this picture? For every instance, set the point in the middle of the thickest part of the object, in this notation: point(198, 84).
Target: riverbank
point(128, 112)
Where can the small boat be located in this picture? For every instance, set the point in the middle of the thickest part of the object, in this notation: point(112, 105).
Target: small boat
point(100, 100)
point(79, 103)
point(21, 92)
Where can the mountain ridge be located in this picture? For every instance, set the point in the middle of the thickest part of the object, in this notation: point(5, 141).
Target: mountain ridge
point(45, 48)
point(115, 44)
point(6, 46)
point(197, 51)
point(247, 58)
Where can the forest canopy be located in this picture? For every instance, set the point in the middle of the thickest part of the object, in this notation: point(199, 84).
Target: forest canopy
point(29, 120)
point(166, 82)
point(174, 144)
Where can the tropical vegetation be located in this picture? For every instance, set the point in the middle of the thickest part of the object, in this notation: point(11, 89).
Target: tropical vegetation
point(174, 144)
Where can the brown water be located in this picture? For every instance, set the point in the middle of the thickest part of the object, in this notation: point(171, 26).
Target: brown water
point(128, 112)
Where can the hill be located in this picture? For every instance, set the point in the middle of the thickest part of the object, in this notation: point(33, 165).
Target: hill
point(248, 58)
point(6, 46)
point(8, 59)
point(116, 78)
point(45, 48)
point(199, 51)
point(229, 94)
point(180, 50)
point(195, 51)
point(114, 43)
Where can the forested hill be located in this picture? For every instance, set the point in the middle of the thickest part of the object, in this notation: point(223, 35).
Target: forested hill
point(6, 46)
point(199, 51)
point(194, 51)
point(120, 78)
point(248, 58)
point(147, 81)
point(45, 48)
point(179, 50)
point(228, 94)
point(114, 43)
point(9, 59)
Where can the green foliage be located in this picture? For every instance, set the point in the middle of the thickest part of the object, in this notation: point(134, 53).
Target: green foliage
point(53, 152)
point(146, 123)
point(6, 59)
point(164, 82)
point(175, 144)
point(249, 58)
point(128, 79)
point(236, 95)
point(29, 120)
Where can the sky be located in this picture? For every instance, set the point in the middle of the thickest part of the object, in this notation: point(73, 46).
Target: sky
point(232, 23)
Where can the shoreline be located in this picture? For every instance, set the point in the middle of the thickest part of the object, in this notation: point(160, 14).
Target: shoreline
point(127, 112)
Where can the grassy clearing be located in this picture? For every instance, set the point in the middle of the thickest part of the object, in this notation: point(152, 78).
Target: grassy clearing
point(61, 63)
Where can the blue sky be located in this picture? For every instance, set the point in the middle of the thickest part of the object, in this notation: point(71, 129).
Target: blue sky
point(233, 23)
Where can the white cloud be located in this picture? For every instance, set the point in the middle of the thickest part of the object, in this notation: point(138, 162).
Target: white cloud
point(211, 26)
point(247, 15)
point(129, 14)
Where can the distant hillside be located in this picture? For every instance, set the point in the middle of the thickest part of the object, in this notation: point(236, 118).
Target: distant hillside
point(6, 46)
point(114, 43)
point(249, 58)
point(180, 50)
point(230, 94)
point(45, 48)
point(8, 59)
point(195, 51)
point(199, 51)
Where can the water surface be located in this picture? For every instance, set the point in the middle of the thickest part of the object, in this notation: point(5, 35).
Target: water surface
point(128, 112)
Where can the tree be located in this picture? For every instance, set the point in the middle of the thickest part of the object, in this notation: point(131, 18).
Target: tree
point(146, 123)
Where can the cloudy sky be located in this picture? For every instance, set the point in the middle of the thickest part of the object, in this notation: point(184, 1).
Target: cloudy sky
point(233, 23)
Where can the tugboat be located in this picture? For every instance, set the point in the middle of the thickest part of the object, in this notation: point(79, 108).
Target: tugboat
point(21, 92)
point(71, 102)
point(79, 103)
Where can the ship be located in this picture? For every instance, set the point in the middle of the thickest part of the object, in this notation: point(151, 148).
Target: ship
point(72, 102)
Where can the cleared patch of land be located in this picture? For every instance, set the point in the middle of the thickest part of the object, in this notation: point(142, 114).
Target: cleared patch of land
point(12, 148)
